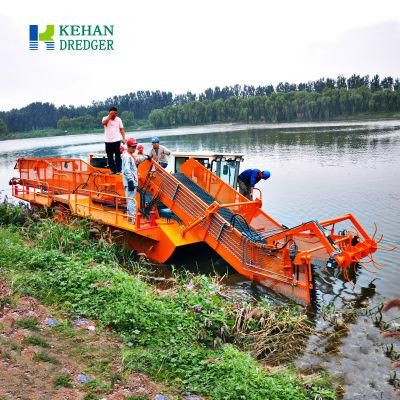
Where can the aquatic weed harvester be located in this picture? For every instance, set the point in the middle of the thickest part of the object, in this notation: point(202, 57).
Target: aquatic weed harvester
point(197, 202)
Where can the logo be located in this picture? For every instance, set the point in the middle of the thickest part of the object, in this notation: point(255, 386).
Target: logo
point(72, 37)
point(35, 37)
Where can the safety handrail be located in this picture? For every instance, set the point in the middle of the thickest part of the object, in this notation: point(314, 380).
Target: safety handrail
point(51, 189)
point(243, 203)
point(259, 192)
point(148, 168)
point(53, 159)
point(191, 165)
point(34, 183)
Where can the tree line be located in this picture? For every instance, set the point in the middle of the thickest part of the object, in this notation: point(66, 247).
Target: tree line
point(313, 100)
point(46, 115)
point(87, 122)
point(279, 107)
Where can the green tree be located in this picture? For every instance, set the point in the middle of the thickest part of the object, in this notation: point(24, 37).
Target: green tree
point(63, 123)
point(85, 122)
point(320, 85)
point(156, 118)
point(330, 83)
point(3, 128)
point(127, 118)
point(387, 83)
point(286, 87)
point(341, 82)
point(375, 83)
point(101, 114)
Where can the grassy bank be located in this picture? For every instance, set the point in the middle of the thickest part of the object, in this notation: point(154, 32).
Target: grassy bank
point(34, 133)
point(193, 336)
point(368, 116)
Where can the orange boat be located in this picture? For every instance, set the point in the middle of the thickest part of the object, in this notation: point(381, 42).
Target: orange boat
point(197, 202)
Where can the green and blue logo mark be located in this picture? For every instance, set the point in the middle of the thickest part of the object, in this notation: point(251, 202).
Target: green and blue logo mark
point(72, 37)
point(35, 37)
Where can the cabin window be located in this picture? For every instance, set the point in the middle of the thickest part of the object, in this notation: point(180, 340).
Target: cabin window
point(180, 160)
point(178, 163)
point(227, 170)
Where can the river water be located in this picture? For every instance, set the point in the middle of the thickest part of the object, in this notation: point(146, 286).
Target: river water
point(318, 171)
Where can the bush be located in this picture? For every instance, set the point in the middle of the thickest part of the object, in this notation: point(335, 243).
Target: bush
point(63, 380)
point(13, 215)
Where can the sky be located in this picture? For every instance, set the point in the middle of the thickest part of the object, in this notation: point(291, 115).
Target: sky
point(181, 45)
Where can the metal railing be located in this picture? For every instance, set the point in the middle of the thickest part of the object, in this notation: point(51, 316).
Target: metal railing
point(29, 187)
point(192, 210)
point(64, 177)
point(225, 194)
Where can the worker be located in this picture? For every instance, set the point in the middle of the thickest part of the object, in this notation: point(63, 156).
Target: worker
point(140, 150)
point(130, 178)
point(139, 155)
point(158, 153)
point(248, 179)
point(113, 133)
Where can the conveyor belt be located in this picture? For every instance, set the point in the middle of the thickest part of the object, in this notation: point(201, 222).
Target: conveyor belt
point(225, 213)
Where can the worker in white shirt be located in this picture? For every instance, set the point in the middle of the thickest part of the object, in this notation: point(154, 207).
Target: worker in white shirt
point(113, 134)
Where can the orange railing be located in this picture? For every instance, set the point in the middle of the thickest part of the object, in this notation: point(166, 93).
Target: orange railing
point(71, 178)
point(68, 175)
point(225, 194)
point(32, 189)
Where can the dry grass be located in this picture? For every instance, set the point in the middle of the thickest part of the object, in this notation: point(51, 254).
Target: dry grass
point(281, 336)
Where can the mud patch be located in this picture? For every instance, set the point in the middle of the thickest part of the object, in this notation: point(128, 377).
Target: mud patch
point(43, 355)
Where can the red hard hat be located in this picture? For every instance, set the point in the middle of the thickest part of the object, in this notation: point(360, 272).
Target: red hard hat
point(131, 142)
point(140, 147)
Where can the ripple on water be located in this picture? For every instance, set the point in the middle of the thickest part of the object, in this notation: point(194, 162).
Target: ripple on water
point(359, 362)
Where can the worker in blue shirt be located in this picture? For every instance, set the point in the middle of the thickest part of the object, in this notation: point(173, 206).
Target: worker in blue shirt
point(248, 179)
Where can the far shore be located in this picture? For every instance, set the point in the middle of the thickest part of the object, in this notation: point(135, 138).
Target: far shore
point(51, 132)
